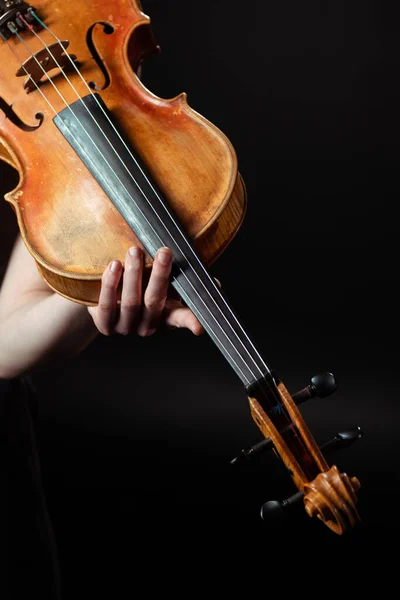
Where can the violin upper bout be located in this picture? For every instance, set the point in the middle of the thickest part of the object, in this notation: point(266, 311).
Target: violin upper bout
point(331, 496)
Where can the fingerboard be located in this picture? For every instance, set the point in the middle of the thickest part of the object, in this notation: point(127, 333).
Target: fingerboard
point(88, 127)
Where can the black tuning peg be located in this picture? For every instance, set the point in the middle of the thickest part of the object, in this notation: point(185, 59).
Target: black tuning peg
point(249, 453)
point(320, 386)
point(343, 439)
point(274, 510)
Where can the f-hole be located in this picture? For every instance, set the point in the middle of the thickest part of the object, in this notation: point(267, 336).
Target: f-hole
point(108, 30)
point(14, 118)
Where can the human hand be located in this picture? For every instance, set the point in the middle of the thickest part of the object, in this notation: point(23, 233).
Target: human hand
point(142, 308)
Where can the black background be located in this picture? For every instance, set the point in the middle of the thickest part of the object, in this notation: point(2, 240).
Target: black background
point(136, 435)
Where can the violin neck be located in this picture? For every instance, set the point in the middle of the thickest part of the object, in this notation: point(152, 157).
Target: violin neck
point(200, 292)
point(87, 125)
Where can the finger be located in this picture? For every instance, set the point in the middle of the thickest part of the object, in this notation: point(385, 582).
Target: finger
point(178, 316)
point(156, 292)
point(131, 296)
point(105, 312)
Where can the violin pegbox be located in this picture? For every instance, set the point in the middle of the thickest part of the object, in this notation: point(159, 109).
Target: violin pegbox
point(326, 493)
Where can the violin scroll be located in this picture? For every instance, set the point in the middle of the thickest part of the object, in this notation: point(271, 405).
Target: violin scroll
point(332, 498)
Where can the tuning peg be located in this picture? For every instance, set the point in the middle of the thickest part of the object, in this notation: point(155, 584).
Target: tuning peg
point(275, 510)
point(321, 386)
point(248, 453)
point(343, 439)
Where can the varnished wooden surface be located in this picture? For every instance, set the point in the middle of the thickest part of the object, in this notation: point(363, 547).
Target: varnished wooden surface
point(67, 222)
point(332, 498)
point(331, 495)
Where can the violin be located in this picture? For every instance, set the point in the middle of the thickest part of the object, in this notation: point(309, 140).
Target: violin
point(105, 164)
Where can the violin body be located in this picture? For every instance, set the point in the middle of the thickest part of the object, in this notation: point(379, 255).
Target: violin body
point(67, 222)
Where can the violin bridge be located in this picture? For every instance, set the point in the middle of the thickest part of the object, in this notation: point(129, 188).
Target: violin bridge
point(44, 61)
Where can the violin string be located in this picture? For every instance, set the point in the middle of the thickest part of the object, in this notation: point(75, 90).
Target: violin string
point(195, 291)
point(93, 165)
point(286, 416)
point(130, 154)
point(22, 66)
point(189, 282)
point(94, 119)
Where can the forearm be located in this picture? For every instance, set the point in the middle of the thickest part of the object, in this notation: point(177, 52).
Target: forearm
point(41, 332)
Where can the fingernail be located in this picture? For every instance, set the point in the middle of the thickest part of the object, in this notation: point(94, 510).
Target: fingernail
point(164, 257)
point(134, 251)
point(114, 266)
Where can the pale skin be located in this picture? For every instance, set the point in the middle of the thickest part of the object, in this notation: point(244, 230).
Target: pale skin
point(39, 327)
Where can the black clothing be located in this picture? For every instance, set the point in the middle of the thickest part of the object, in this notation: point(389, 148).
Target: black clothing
point(33, 565)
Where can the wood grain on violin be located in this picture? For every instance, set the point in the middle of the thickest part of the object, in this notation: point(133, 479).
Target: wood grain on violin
point(105, 164)
point(67, 221)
